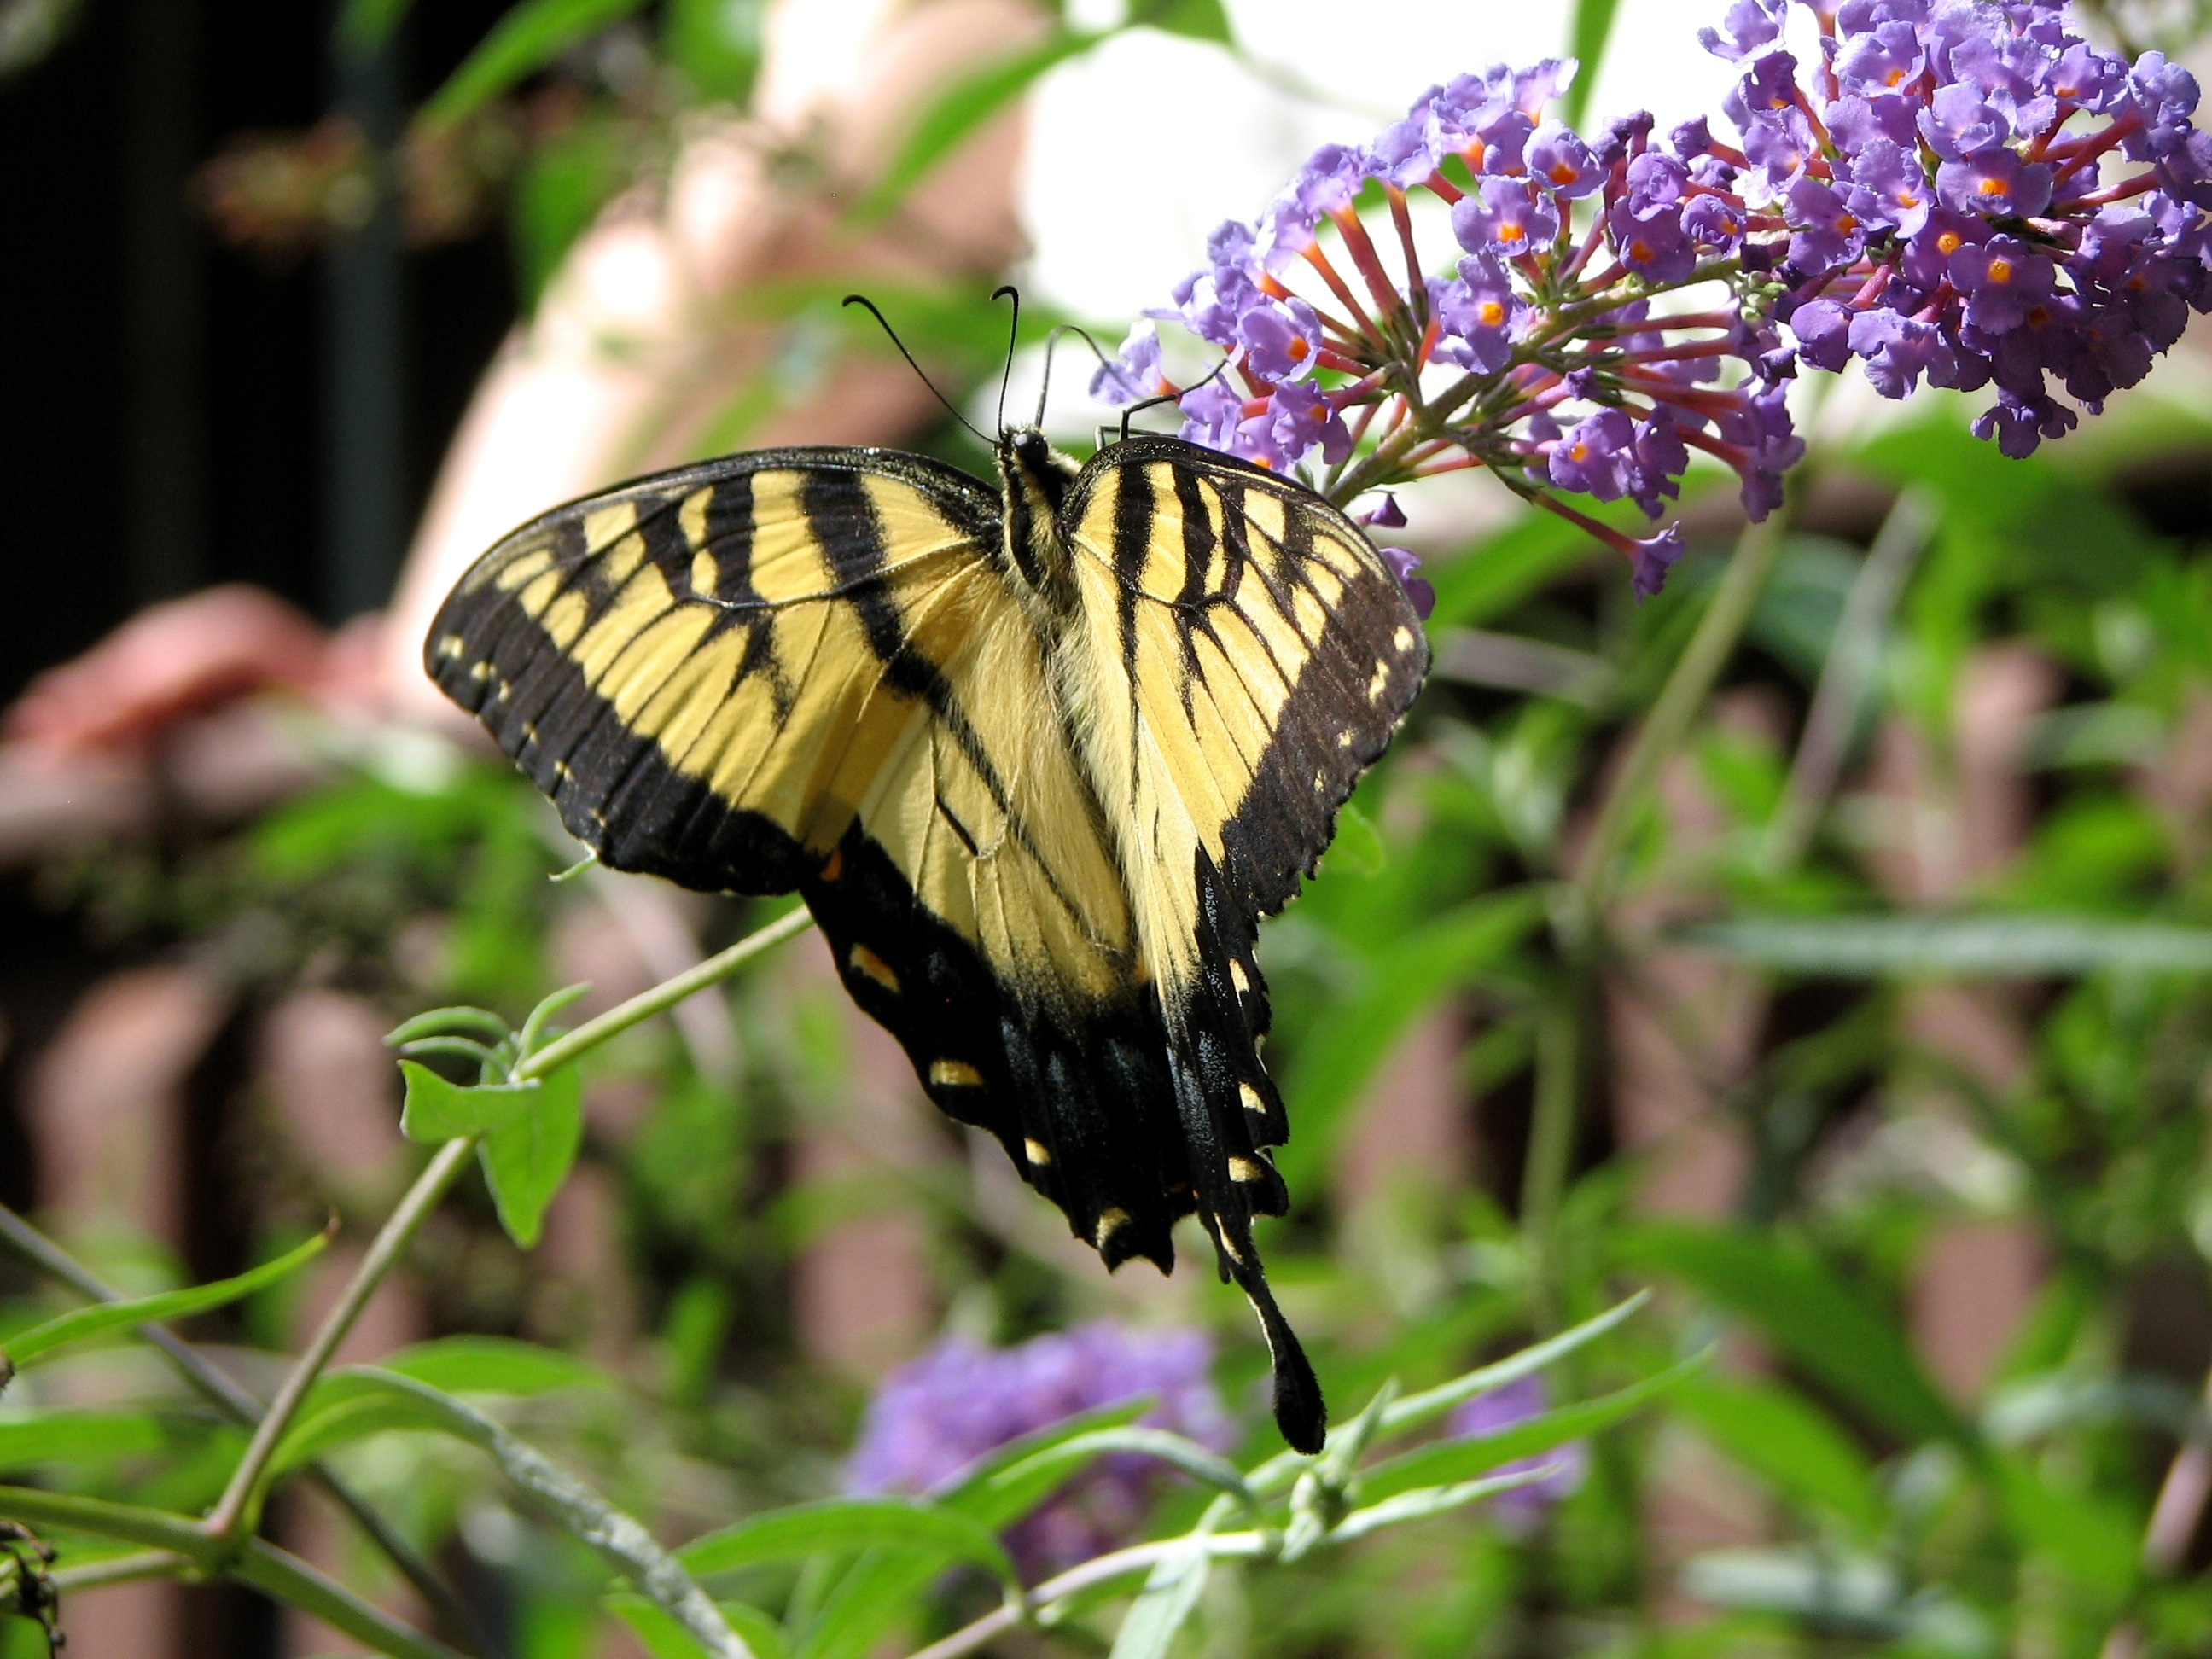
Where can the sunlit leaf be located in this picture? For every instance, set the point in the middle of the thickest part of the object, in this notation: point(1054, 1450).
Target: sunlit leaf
point(70, 1436)
point(531, 1133)
point(848, 1525)
point(1170, 1594)
point(663, 1639)
point(493, 1364)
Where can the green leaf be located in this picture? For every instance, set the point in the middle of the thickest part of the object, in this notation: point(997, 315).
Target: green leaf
point(663, 1639)
point(78, 1438)
point(531, 1130)
point(1170, 1592)
point(1193, 1459)
point(493, 1364)
point(2085, 1536)
point(2029, 946)
point(1195, 20)
point(1449, 1463)
point(1430, 1404)
point(526, 1162)
point(962, 109)
point(1344, 1045)
point(523, 41)
point(1012, 1481)
point(1586, 37)
point(715, 45)
point(1799, 1305)
point(1780, 1435)
point(848, 1525)
point(480, 1020)
point(169, 1305)
point(1490, 578)
point(334, 1422)
point(365, 25)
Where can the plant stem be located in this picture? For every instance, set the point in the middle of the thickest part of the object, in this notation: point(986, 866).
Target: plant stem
point(666, 994)
point(217, 1386)
point(1102, 1571)
point(260, 1564)
point(1678, 704)
point(1551, 1149)
point(122, 1570)
point(391, 1240)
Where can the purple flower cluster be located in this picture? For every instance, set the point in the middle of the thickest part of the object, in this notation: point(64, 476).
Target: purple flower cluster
point(1981, 197)
point(933, 1418)
point(1507, 1407)
point(1935, 205)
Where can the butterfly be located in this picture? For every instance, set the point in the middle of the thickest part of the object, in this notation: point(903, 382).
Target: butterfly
point(1038, 757)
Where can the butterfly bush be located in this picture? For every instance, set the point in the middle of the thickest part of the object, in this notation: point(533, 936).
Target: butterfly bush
point(933, 1418)
point(1967, 194)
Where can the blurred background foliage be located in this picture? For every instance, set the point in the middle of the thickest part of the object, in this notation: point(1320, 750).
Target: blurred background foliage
point(1890, 1064)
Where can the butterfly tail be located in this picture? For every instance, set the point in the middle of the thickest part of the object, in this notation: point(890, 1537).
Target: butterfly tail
point(1208, 1097)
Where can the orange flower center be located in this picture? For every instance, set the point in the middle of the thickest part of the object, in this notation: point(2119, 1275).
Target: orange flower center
point(1492, 311)
point(1948, 243)
point(1562, 174)
point(2001, 271)
point(1991, 187)
point(1299, 348)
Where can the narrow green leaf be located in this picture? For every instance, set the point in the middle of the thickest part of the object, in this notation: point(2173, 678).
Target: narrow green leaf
point(1424, 1502)
point(480, 1020)
point(2084, 1536)
point(526, 1162)
point(1430, 1404)
point(1170, 1594)
point(169, 1305)
point(848, 1525)
point(365, 25)
point(1195, 20)
point(962, 109)
point(1799, 1305)
point(1587, 34)
point(1193, 1459)
point(524, 40)
point(493, 1364)
point(531, 1037)
point(78, 1438)
point(2023, 946)
point(1450, 1461)
point(1010, 1482)
point(341, 1422)
point(1780, 1435)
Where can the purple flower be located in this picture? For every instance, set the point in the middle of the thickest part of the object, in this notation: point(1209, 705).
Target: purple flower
point(1898, 350)
point(2000, 278)
point(1957, 124)
point(1656, 182)
point(2018, 424)
point(1827, 232)
point(932, 1418)
point(1995, 183)
point(1279, 341)
point(1768, 88)
point(1404, 154)
point(1823, 332)
point(1514, 1404)
point(2085, 76)
point(1557, 158)
point(1655, 249)
point(1590, 457)
point(1891, 175)
point(1751, 25)
point(2164, 94)
point(1882, 60)
point(1779, 147)
point(1403, 565)
point(1134, 374)
point(1329, 180)
point(1390, 515)
point(1210, 413)
point(1692, 139)
point(1711, 222)
point(1927, 259)
point(1505, 217)
point(1303, 418)
point(1649, 561)
point(1660, 458)
point(1478, 315)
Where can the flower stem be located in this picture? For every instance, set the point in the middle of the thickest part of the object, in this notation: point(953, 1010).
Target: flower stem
point(222, 1524)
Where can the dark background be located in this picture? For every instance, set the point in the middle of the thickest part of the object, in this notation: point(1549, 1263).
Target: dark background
point(172, 394)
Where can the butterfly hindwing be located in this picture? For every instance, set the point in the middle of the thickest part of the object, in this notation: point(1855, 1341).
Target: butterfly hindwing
point(1244, 654)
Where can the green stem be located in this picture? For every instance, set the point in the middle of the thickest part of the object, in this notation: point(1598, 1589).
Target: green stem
point(222, 1524)
point(1551, 1149)
point(665, 995)
point(242, 1407)
point(259, 1564)
point(122, 1570)
point(1668, 725)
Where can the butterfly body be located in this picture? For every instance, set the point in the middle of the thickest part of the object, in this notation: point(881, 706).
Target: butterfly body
point(1038, 758)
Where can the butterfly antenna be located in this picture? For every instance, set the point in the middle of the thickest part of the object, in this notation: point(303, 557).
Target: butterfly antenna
point(1052, 340)
point(1220, 369)
point(863, 300)
point(1013, 337)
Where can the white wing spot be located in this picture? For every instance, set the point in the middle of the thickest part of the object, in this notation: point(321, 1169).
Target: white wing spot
point(449, 646)
point(1343, 738)
point(1109, 1222)
point(954, 1074)
point(1321, 779)
point(1038, 1152)
point(1403, 639)
point(1375, 687)
point(1244, 1169)
point(1250, 1096)
point(561, 771)
point(868, 962)
point(1237, 978)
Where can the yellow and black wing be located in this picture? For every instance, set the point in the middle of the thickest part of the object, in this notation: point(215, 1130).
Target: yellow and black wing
point(1241, 654)
point(807, 669)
